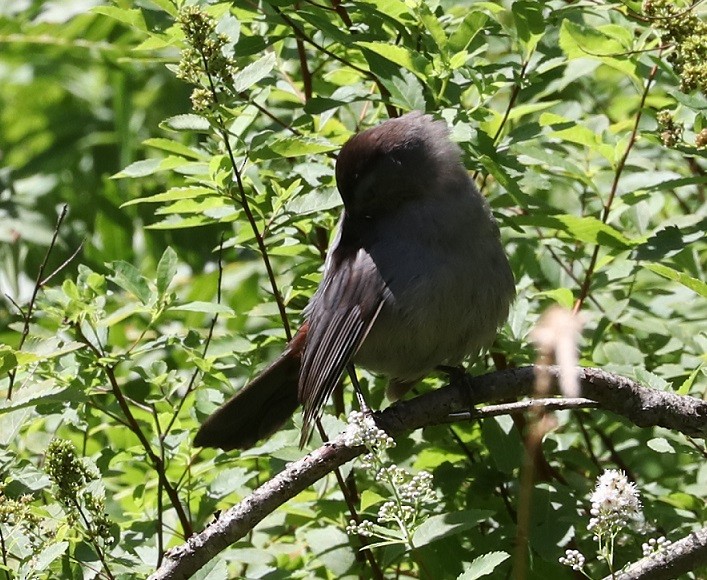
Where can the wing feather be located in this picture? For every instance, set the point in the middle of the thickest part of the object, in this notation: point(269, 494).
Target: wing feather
point(340, 316)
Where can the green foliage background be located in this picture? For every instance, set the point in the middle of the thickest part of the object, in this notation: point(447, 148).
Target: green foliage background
point(167, 308)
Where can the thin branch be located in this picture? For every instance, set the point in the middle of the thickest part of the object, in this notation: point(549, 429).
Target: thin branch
point(64, 263)
point(135, 428)
point(589, 272)
point(299, 33)
point(37, 285)
point(368, 554)
point(644, 407)
point(681, 557)
point(207, 342)
point(225, 134)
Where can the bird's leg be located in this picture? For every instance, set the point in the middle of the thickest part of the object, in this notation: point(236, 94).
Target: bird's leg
point(362, 405)
point(457, 378)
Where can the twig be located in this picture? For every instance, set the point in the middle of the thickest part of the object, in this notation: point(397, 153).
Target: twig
point(299, 33)
point(645, 407)
point(683, 556)
point(589, 272)
point(135, 428)
point(224, 133)
point(368, 554)
point(64, 263)
point(37, 285)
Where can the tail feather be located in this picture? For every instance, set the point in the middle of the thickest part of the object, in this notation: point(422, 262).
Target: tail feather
point(258, 409)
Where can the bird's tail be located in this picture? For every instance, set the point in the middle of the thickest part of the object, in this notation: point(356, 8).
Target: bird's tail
point(261, 407)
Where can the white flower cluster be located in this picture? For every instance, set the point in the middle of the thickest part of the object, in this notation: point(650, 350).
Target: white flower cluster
point(614, 502)
point(655, 545)
point(573, 558)
point(362, 430)
point(365, 528)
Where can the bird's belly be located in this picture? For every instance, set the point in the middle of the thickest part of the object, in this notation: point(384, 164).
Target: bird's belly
point(437, 317)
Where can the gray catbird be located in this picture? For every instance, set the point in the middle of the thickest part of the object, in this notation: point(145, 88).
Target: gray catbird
point(415, 278)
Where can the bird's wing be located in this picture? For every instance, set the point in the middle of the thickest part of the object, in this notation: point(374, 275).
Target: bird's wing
point(341, 314)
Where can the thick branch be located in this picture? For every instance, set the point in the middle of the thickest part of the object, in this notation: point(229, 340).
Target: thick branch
point(680, 557)
point(644, 407)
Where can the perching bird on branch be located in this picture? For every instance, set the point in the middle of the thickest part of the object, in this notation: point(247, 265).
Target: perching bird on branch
point(416, 278)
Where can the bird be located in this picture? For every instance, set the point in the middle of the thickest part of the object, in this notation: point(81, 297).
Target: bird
point(416, 278)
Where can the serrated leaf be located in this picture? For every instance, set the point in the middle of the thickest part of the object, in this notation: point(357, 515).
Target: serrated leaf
point(688, 281)
point(166, 270)
point(40, 393)
point(406, 91)
point(440, 526)
point(483, 565)
point(128, 277)
point(254, 72)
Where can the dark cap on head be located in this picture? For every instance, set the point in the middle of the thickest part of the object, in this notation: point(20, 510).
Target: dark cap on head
point(400, 156)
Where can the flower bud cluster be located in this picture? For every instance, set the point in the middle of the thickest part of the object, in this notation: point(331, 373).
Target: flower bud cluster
point(362, 430)
point(410, 493)
point(670, 130)
point(573, 559)
point(687, 34)
point(655, 545)
point(204, 62)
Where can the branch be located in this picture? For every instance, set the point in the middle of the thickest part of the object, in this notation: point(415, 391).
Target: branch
point(644, 407)
point(680, 557)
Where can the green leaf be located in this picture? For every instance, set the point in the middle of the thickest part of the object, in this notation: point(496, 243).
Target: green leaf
point(150, 166)
point(133, 17)
point(563, 296)
point(405, 91)
point(128, 277)
point(689, 381)
point(296, 146)
point(660, 445)
point(440, 526)
point(174, 194)
point(606, 44)
point(174, 147)
point(584, 229)
point(369, 498)
point(693, 284)
point(8, 360)
point(467, 30)
point(166, 270)
point(205, 307)
point(483, 565)
point(400, 55)
point(188, 122)
point(53, 551)
point(254, 72)
point(530, 23)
